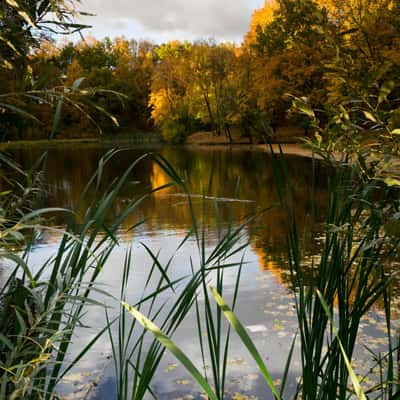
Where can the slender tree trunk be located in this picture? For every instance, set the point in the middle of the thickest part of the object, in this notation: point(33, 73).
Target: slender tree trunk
point(219, 119)
point(228, 133)
point(213, 126)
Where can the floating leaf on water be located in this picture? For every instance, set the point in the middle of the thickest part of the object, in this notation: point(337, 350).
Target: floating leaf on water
point(183, 382)
point(277, 382)
point(290, 314)
point(239, 396)
point(256, 328)
point(384, 329)
point(251, 377)
point(277, 326)
point(171, 367)
point(282, 307)
point(74, 378)
point(236, 361)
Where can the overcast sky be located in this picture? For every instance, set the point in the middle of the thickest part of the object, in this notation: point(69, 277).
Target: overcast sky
point(163, 20)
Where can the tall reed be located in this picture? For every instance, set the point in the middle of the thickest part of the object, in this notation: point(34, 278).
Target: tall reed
point(136, 368)
point(349, 273)
point(349, 277)
point(40, 309)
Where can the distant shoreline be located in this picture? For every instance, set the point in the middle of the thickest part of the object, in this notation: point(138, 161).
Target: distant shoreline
point(284, 135)
point(296, 149)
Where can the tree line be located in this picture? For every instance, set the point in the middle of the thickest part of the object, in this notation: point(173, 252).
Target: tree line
point(323, 53)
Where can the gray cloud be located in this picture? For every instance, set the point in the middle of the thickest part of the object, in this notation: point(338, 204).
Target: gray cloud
point(171, 19)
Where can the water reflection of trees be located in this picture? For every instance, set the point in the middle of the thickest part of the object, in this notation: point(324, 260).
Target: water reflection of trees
point(214, 173)
point(245, 175)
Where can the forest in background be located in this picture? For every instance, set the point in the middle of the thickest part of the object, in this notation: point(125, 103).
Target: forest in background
point(323, 53)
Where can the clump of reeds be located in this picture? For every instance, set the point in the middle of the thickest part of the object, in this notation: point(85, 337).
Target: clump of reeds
point(136, 362)
point(349, 276)
point(41, 308)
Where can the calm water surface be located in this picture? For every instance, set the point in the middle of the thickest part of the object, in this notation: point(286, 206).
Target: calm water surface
point(237, 183)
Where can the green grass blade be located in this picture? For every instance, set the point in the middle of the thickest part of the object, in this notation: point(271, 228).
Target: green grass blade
point(246, 340)
point(157, 263)
point(357, 387)
point(287, 366)
point(20, 263)
point(171, 346)
point(57, 117)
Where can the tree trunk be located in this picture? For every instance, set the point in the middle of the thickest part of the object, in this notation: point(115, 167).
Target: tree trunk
point(213, 126)
point(228, 133)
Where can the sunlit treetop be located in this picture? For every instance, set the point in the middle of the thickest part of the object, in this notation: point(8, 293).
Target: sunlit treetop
point(174, 48)
point(347, 13)
point(260, 18)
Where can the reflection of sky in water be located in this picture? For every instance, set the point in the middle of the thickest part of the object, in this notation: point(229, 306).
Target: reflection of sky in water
point(264, 297)
point(259, 292)
point(263, 300)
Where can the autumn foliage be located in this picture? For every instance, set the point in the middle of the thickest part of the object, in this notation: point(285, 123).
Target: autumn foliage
point(323, 51)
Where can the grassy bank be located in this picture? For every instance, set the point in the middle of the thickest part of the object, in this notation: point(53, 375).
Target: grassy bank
point(119, 139)
point(285, 135)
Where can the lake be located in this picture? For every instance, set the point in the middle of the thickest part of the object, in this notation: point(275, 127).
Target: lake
point(227, 186)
